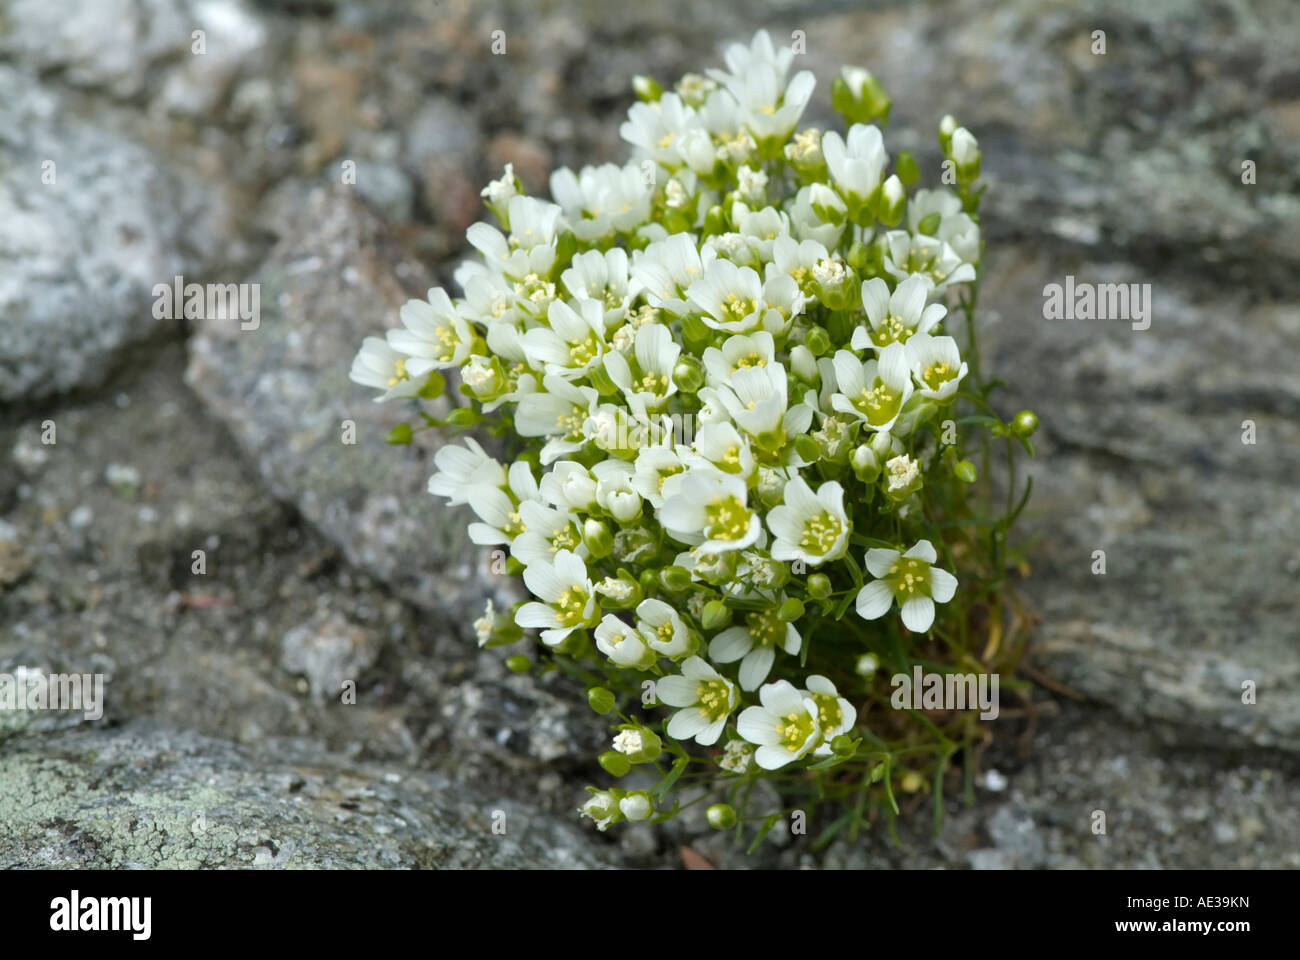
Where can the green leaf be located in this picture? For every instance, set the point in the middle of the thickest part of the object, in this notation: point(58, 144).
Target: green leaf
point(666, 784)
point(764, 829)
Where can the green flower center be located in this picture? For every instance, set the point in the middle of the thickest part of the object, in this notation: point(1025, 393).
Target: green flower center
point(765, 628)
point(654, 383)
point(715, 699)
point(820, 533)
point(829, 715)
point(585, 351)
point(514, 525)
point(571, 606)
point(794, 729)
point(726, 519)
point(878, 404)
point(909, 578)
point(753, 360)
point(736, 307)
point(564, 538)
point(937, 374)
point(891, 330)
point(399, 372)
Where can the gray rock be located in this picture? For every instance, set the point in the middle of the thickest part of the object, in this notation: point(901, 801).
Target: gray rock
point(89, 223)
point(145, 798)
point(284, 392)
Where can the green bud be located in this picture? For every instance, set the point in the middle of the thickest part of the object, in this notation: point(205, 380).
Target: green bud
point(434, 386)
point(687, 375)
point(715, 221)
point(694, 330)
point(807, 447)
point(400, 434)
point(844, 746)
point(716, 616)
point(964, 470)
point(819, 586)
point(600, 700)
point(865, 463)
point(614, 763)
point(518, 663)
point(514, 567)
point(907, 169)
point(721, 816)
point(675, 579)
point(818, 341)
point(646, 88)
point(892, 200)
point(790, 610)
point(929, 224)
point(596, 536)
point(649, 581)
point(463, 417)
point(859, 256)
point(1024, 424)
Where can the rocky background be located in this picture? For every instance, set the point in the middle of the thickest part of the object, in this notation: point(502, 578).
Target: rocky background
point(223, 742)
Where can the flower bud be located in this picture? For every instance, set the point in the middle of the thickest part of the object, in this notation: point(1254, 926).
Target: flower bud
point(858, 96)
point(818, 341)
point(867, 665)
point(636, 806)
point(675, 579)
point(837, 284)
point(1024, 424)
point(716, 616)
point(638, 744)
point(892, 199)
point(929, 224)
point(602, 807)
point(803, 362)
point(600, 700)
point(614, 763)
point(721, 816)
point(596, 536)
point(518, 663)
point(907, 169)
point(819, 586)
point(844, 746)
point(866, 465)
point(964, 471)
point(791, 609)
point(646, 88)
point(964, 152)
point(687, 375)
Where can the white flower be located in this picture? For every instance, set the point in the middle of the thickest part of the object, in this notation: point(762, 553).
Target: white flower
point(811, 527)
point(896, 317)
point(927, 257)
point(600, 201)
point(902, 473)
point(965, 150)
point(706, 699)
point(856, 165)
point(574, 341)
point(785, 727)
point(908, 578)
point(602, 277)
point(663, 630)
point(835, 715)
point(624, 646)
point(873, 392)
point(559, 413)
point(721, 447)
point(530, 248)
point(755, 645)
point(655, 127)
point(500, 192)
point(737, 756)
point(379, 366)
point(547, 531)
point(936, 364)
point(601, 807)
point(751, 184)
point(655, 466)
point(756, 398)
point(667, 267)
point(615, 492)
point(485, 624)
point(567, 600)
point(461, 469)
point(709, 511)
point(730, 297)
point(798, 260)
point(498, 509)
point(738, 352)
point(647, 380)
point(955, 227)
point(760, 54)
point(569, 485)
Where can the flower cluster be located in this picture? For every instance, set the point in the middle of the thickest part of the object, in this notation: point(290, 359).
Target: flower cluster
point(722, 366)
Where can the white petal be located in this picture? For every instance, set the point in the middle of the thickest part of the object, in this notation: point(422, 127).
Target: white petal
point(942, 585)
point(874, 600)
point(918, 614)
point(755, 667)
point(880, 560)
point(687, 723)
point(758, 726)
point(730, 645)
point(922, 550)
